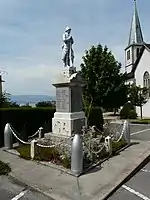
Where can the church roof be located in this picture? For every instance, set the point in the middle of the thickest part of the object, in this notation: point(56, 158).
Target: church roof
point(131, 74)
point(136, 36)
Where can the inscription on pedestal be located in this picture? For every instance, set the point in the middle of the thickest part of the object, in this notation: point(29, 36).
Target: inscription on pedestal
point(62, 99)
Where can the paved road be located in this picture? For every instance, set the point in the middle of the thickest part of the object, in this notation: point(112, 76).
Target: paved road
point(12, 191)
point(138, 187)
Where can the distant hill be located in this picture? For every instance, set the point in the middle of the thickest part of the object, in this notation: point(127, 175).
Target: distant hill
point(31, 99)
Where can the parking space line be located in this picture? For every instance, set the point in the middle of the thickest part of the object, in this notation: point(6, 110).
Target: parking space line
point(135, 192)
point(21, 194)
point(135, 133)
point(145, 170)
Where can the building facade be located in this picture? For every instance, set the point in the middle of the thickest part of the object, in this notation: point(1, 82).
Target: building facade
point(137, 59)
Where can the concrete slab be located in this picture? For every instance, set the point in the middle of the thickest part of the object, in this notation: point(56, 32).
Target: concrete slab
point(95, 185)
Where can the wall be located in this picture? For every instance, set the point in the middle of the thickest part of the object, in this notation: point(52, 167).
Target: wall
point(144, 65)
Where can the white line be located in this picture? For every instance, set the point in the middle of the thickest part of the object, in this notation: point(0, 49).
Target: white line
point(145, 170)
point(135, 192)
point(148, 129)
point(20, 195)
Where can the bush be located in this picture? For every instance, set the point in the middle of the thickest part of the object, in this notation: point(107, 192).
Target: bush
point(44, 154)
point(96, 118)
point(4, 168)
point(128, 111)
point(116, 146)
point(132, 114)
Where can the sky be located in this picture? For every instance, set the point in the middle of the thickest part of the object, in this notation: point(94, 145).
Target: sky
point(31, 37)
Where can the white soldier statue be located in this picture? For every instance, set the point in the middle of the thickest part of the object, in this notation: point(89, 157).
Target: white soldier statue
point(68, 53)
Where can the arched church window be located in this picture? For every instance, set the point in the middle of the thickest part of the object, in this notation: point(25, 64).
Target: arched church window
point(137, 52)
point(146, 81)
point(128, 55)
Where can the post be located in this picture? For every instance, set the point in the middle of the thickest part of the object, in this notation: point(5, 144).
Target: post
point(8, 142)
point(108, 144)
point(77, 155)
point(41, 132)
point(127, 132)
point(32, 148)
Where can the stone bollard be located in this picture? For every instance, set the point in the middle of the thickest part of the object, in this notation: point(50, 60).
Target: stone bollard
point(108, 145)
point(32, 148)
point(127, 132)
point(41, 132)
point(77, 155)
point(8, 140)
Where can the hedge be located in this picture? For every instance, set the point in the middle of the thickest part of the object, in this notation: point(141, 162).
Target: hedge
point(26, 121)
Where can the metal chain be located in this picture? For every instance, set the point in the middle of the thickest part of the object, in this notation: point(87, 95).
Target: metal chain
point(44, 146)
point(30, 137)
point(17, 136)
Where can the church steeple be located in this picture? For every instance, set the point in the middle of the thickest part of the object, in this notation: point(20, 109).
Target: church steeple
point(136, 36)
point(135, 43)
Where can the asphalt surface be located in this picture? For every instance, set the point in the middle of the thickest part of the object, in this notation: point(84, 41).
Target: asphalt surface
point(9, 190)
point(138, 187)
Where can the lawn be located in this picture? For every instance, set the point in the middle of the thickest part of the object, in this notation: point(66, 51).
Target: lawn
point(140, 121)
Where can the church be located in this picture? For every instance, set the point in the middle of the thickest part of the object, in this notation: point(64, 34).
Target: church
point(137, 59)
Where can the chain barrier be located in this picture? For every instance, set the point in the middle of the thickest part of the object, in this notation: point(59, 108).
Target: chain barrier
point(13, 131)
point(122, 132)
point(44, 146)
point(30, 137)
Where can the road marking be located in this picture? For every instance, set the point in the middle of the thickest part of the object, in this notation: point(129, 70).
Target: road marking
point(135, 192)
point(135, 133)
point(21, 194)
point(145, 170)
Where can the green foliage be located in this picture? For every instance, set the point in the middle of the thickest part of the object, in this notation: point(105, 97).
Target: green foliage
point(5, 101)
point(4, 168)
point(127, 111)
point(132, 114)
point(116, 146)
point(44, 154)
point(138, 96)
point(44, 104)
point(140, 121)
point(27, 105)
point(96, 118)
point(18, 117)
point(103, 81)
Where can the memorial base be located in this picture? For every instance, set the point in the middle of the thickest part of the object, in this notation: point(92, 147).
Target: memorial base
point(67, 124)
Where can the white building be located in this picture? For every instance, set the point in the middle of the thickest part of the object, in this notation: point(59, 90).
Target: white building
point(137, 59)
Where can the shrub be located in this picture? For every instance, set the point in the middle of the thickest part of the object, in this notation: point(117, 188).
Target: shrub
point(96, 118)
point(125, 111)
point(4, 168)
point(116, 146)
point(44, 154)
point(25, 120)
point(132, 114)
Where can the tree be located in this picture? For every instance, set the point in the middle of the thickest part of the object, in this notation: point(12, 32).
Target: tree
point(5, 101)
point(138, 96)
point(44, 104)
point(104, 83)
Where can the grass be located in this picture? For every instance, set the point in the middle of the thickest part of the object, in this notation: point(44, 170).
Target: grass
point(140, 121)
point(4, 168)
point(116, 146)
point(44, 154)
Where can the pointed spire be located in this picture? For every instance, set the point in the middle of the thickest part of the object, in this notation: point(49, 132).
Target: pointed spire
point(136, 36)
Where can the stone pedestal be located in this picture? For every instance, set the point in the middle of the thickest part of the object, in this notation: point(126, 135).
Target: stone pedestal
point(69, 116)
